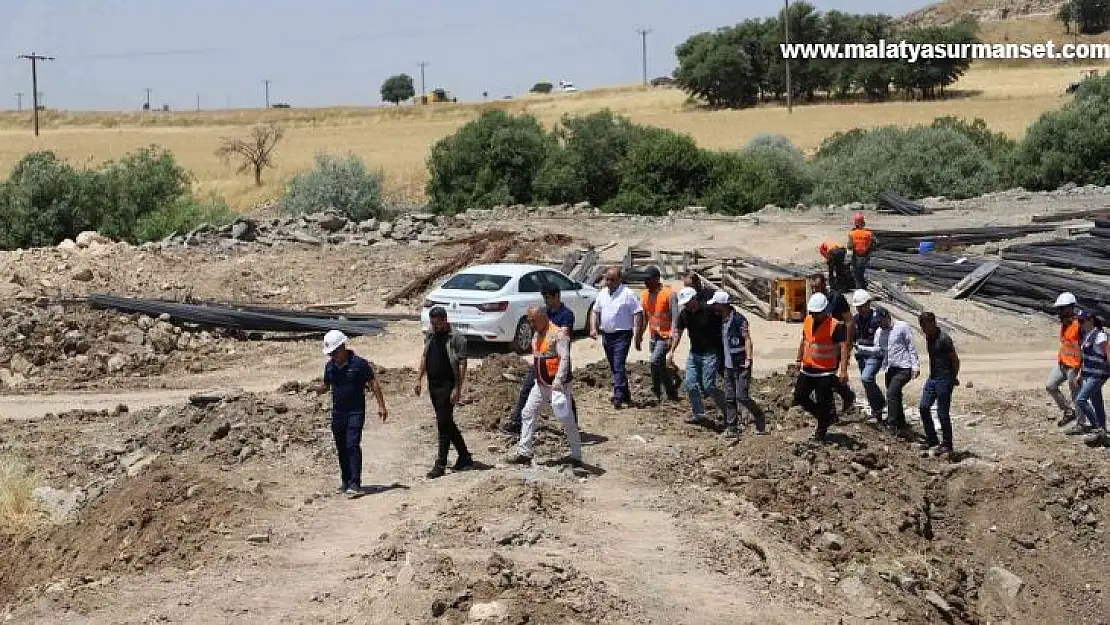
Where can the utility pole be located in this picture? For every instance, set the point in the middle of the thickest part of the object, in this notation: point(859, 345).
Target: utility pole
point(19, 101)
point(34, 59)
point(198, 102)
point(643, 37)
point(267, 83)
point(148, 90)
point(423, 93)
point(786, 61)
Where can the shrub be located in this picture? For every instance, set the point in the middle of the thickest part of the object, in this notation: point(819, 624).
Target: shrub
point(757, 176)
point(913, 162)
point(541, 87)
point(141, 183)
point(662, 171)
point(595, 146)
point(996, 144)
point(340, 183)
point(491, 160)
point(779, 142)
point(1071, 144)
point(181, 216)
point(560, 180)
point(17, 504)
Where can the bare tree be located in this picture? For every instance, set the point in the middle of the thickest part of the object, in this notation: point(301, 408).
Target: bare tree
point(255, 152)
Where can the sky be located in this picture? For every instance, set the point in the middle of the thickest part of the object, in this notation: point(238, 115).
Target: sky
point(338, 52)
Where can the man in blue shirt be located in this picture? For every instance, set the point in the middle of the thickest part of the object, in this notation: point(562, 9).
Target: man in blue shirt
point(560, 315)
point(348, 376)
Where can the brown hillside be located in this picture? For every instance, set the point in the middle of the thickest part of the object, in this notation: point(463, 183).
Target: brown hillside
point(984, 10)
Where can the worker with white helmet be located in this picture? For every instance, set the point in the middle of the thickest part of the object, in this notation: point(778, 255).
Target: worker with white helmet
point(1068, 363)
point(348, 376)
point(822, 363)
point(841, 310)
point(869, 357)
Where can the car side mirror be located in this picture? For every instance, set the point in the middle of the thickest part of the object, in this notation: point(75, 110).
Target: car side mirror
point(577, 286)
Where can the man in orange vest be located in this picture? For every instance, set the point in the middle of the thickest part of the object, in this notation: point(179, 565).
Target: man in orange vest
point(836, 259)
point(1069, 361)
point(660, 309)
point(822, 364)
point(551, 356)
point(862, 242)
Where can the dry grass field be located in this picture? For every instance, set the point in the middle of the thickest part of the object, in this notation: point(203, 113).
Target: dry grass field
point(398, 139)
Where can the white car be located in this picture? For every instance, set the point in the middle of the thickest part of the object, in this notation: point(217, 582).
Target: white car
point(488, 302)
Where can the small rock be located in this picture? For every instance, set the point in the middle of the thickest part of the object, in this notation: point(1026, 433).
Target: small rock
point(937, 602)
point(213, 396)
point(439, 608)
point(332, 222)
point(494, 611)
point(258, 539)
point(83, 275)
point(1004, 584)
point(68, 245)
point(831, 541)
point(117, 363)
point(89, 237)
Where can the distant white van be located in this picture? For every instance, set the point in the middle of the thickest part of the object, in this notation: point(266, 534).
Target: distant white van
point(567, 87)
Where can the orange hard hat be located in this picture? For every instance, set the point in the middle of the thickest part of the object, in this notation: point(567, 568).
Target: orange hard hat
point(858, 219)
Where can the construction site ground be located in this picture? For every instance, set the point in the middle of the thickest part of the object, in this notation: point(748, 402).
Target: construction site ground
point(228, 511)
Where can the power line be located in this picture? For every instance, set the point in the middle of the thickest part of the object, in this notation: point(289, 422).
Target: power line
point(643, 36)
point(35, 58)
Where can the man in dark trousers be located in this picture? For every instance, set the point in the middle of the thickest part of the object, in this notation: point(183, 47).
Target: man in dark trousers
point(822, 361)
point(444, 362)
point(348, 376)
point(839, 310)
point(737, 339)
point(944, 372)
point(560, 315)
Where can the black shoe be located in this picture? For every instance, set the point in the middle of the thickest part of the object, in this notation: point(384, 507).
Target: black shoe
point(437, 471)
point(1066, 419)
point(695, 421)
point(462, 464)
point(510, 427)
point(519, 459)
point(820, 435)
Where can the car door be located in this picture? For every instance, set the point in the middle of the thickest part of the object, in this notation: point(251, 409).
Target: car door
point(569, 296)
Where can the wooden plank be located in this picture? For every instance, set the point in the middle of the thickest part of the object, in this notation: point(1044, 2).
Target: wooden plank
point(762, 307)
point(570, 261)
point(972, 280)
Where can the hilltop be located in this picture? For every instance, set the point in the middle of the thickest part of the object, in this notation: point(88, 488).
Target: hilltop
point(947, 12)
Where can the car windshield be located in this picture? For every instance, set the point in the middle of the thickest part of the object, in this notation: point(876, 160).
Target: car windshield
point(476, 282)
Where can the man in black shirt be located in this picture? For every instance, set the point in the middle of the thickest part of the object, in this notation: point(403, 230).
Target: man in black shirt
point(838, 309)
point(706, 346)
point(822, 361)
point(444, 362)
point(944, 371)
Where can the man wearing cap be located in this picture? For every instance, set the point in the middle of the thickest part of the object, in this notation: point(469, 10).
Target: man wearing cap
point(868, 356)
point(444, 362)
point(862, 241)
point(560, 315)
point(822, 361)
point(1069, 361)
point(348, 375)
point(660, 308)
point(900, 360)
point(617, 316)
point(705, 352)
point(737, 339)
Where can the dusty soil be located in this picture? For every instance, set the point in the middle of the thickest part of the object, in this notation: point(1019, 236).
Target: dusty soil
point(160, 510)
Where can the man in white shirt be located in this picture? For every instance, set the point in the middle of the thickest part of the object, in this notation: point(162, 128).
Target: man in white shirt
point(895, 340)
point(617, 316)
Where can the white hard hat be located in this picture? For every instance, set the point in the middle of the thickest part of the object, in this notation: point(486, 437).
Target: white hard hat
point(860, 297)
point(1065, 299)
point(333, 340)
point(720, 297)
point(818, 303)
point(685, 295)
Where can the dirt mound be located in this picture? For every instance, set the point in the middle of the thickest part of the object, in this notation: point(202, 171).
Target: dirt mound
point(59, 347)
point(971, 540)
point(495, 386)
point(166, 516)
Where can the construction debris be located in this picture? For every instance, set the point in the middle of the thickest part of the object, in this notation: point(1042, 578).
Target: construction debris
point(891, 203)
point(910, 240)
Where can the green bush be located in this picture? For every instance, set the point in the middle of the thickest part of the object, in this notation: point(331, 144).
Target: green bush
point(913, 162)
point(595, 145)
point(492, 160)
point(1068, 145)
point(541, 87)
point(342, 183)
point(46, 200)
point(560, 180)
point(757, 176)
point(181, 216)
point(779, 142)
point(996, 144)
point(663, 171)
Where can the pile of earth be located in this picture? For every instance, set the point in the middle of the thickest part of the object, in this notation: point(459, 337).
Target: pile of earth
point(52, 346)
point(168, 515)
point(965, 541)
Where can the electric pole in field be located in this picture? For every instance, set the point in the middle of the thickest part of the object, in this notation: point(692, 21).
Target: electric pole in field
point(423, 93)
point(198, 102)
point(643, 49)
point(34, 59)
point(19, 101)
point(267, 83)
point(148, 90)
point(786, 61)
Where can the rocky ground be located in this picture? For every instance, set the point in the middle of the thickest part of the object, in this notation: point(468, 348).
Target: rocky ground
point(216, 503)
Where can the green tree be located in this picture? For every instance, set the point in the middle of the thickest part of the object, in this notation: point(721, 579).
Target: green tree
point(717, 69)
point(397, 89)
point(541, 87)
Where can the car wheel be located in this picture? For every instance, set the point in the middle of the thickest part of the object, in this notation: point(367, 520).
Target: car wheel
point(589, 313)
point(522, 338)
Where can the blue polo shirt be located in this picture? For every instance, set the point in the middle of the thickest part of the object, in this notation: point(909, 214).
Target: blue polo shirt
point(348, 384)
point(562, 316)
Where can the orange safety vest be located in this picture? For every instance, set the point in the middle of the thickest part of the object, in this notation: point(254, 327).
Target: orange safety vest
point(861, 241)
point(547, 359)
point(1070, 356)
point(821, 352)
point(829, 246)
point(657, 307)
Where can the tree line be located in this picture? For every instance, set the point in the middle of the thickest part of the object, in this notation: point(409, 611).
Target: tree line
point(742, 65)
point(1087, 17)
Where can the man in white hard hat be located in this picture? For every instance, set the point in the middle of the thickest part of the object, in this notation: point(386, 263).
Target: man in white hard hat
point(840, 310)
point(868, 356)
point(704, 328)
point(737, 339)
point(348, 376)
point(1068, 363)
point(822, 362)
